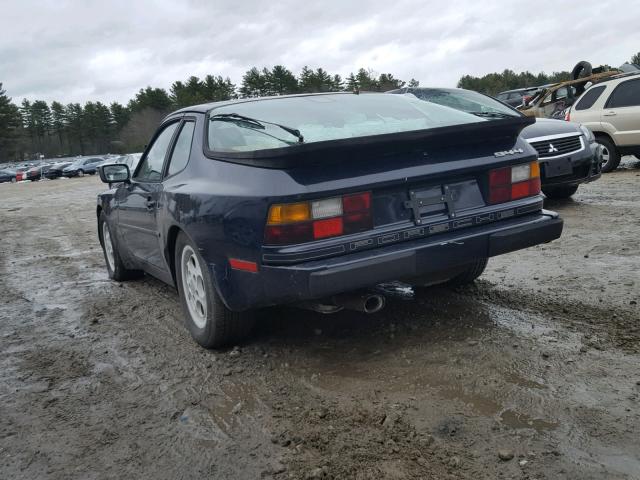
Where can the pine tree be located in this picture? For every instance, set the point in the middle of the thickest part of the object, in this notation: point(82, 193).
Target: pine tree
point(58, 122)
point(10, 123)
point(253, 84)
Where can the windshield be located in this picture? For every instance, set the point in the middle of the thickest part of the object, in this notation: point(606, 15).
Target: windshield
point(466, 101)
point(322, 117)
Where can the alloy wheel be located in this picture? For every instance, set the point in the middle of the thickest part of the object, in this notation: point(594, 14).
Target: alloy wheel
point(108, 246)
point(193, 287)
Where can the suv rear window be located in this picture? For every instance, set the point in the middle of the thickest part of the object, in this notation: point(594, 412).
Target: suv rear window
point(627, 94)
point(589, 98)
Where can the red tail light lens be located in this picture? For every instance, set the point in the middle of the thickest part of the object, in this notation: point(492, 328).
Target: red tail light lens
point(330, 227)
point(511, 183)
point(318, 219)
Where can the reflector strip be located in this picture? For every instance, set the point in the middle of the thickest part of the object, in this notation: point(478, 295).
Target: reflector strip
point(244, 265)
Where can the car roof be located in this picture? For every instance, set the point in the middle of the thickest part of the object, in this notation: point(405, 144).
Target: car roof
point(621, 76)
point(205, 107)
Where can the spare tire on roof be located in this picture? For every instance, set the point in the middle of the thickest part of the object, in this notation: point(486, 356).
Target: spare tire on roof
point(582, 69)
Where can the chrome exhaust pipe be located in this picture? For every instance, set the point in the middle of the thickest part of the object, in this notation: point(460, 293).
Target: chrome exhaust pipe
point(361, 302)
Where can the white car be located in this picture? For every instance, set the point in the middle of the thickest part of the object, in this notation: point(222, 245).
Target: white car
point(611, 110)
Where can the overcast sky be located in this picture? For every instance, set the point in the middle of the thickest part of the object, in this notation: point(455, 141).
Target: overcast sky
point(76, 51)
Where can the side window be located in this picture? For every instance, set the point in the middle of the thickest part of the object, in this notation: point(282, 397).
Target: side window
point(627, 94)
point(182, 149)
point(151, 168)
point(590, 97)
point(561, 93)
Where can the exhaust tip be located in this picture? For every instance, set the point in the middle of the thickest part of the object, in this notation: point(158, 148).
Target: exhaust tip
point(373, 303)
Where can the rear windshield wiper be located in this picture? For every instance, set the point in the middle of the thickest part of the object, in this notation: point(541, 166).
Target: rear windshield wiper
point(492, 114)
point(255, 123)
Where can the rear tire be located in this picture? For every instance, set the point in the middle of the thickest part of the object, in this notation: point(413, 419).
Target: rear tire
point(115, 267)
point(209, 321)
point(560, 192)
point(81, 173)
point(473, 271)
point(610, 156)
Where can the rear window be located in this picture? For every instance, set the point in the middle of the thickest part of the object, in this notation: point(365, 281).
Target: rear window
point(467, 101)
point(323, 117)
point(589, 98)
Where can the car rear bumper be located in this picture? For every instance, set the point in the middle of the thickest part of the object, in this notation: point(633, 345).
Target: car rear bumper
point(273, 285)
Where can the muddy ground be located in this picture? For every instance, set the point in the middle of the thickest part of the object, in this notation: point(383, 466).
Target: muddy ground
point(532, 373)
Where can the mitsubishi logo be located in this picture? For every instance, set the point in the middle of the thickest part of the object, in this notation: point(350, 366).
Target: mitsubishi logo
point(552, 149)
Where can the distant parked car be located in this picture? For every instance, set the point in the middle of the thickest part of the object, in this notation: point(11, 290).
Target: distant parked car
point(611, 110)
point(7, 175)
point(567, 151)
point(56, 170)
point(518, 96)
point(37, 173)
point(83, 166)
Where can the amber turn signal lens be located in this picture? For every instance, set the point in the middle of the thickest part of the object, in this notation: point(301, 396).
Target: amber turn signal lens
point(535, 169)
point(289, 213)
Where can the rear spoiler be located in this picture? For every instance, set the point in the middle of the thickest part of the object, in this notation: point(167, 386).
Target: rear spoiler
point(498, 132)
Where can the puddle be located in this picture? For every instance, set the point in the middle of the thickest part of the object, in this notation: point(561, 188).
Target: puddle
point(519, 420)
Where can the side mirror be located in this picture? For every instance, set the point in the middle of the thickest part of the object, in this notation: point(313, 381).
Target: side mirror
point(114, 173)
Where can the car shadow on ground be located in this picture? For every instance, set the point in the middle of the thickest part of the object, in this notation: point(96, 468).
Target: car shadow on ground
point(430, 315)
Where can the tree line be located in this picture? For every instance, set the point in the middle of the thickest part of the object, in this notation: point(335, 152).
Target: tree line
point(53, 129)
point(38, 128)
point(494, 83)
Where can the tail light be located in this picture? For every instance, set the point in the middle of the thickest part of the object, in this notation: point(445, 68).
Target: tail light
point(512, 183)
point(306, 221)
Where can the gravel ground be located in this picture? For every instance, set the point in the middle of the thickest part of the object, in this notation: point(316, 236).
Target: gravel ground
point(531, 373)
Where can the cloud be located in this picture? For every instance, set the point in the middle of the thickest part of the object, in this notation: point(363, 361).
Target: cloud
point(78, 51)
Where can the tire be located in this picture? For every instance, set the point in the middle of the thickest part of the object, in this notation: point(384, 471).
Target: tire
point(81, 173)
point(209, 321)
point(14, 180)
point(474, 270)
point(115, 267)
point(611, 157)
point(560, 192)
point(582, 69)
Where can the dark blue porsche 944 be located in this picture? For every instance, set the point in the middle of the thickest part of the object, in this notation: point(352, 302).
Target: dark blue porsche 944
point(313, 199)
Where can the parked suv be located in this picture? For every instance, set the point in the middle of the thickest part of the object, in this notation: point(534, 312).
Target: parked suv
point(82, 166)
point(611, 110)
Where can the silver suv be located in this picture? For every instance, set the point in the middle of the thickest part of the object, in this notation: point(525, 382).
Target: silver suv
point(611, 110)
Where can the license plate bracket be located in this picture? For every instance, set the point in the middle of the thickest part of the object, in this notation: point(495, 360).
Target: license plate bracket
point(558, 167)
point(421, 199)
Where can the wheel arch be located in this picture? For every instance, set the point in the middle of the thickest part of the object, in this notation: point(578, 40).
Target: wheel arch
point(600, 133)
point(170, 250)
point(170, 256)
point(98, 214)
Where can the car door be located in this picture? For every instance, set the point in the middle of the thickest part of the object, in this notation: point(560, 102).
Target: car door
point(622, 112)
point(138, 200)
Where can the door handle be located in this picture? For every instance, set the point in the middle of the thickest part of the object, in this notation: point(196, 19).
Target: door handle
point(609, 114)
point(151, 204)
